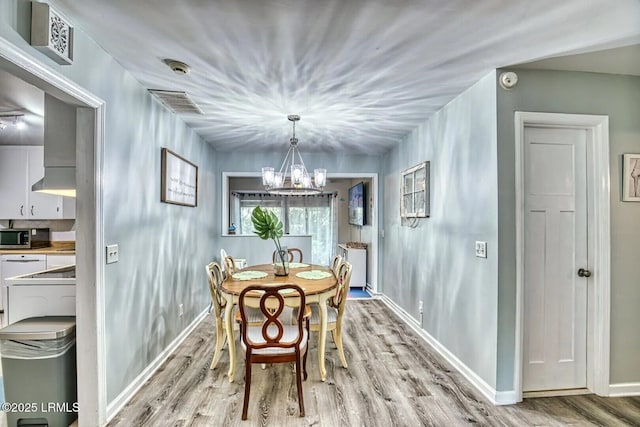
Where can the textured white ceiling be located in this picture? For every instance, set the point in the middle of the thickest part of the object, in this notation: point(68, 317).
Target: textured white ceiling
point(361, 73)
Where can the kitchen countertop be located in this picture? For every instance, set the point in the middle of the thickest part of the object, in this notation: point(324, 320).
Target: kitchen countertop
point(56, 248)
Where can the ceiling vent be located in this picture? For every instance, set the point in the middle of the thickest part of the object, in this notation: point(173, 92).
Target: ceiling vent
point(178, 102)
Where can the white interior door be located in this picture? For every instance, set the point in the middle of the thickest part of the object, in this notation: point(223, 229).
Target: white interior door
point(555, 247)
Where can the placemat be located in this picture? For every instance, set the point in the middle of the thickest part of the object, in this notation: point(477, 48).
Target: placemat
point(313, 274)
point(298, 265)
point(249, 275)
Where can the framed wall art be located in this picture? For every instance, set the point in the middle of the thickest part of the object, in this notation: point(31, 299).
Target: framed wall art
point(179, 180)
point(631, 178)
point(414, 192)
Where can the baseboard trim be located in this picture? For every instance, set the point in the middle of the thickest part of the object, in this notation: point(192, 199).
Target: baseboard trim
point(554, 393)
point(624, 389)
point(490, 393)
point(506, 397)
point(118, 403)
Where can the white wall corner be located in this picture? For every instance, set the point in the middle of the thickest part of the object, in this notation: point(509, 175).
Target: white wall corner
point(489, 392)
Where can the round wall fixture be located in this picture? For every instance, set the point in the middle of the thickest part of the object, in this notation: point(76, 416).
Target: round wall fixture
point(508, 80)
point(177, 66)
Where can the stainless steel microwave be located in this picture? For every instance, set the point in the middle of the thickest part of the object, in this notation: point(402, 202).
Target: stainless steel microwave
point(24, 238)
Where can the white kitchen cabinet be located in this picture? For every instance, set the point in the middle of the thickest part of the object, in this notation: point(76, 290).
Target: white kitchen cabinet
point(60, 260)
point(358, 259)
point(20, 168)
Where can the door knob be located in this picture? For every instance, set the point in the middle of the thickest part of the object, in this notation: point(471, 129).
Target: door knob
point(584, 273)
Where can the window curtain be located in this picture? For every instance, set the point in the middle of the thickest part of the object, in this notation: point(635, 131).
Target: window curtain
point(314, 215)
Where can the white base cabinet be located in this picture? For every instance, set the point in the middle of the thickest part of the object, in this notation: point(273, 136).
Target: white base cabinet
point(358, 259)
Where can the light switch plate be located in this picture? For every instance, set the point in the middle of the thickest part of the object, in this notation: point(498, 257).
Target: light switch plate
point(112, 254)
point(481, 249)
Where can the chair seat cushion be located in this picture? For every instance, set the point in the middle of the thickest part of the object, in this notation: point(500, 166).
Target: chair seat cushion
point(254, 333)
point(332, 314)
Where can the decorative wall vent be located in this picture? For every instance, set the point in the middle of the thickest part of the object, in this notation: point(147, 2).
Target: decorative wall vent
point(51, 33)
point(178, 102)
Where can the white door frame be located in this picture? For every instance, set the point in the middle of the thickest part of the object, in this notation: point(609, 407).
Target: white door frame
point(598, 191)
point(92, 395)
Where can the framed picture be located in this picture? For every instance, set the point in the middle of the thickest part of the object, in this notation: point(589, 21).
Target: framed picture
point(414, 192)
point(179, 180)
point(631, 178)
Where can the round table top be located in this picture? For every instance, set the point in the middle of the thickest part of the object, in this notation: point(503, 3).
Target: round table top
point(310, 286)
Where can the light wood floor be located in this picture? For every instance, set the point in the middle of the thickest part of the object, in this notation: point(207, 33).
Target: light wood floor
point(394, 379)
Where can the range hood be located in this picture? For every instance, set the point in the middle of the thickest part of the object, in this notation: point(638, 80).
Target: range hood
point(57, 180)
point(59, 149)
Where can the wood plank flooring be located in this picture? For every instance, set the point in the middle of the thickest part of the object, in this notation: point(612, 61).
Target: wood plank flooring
point(393, 379)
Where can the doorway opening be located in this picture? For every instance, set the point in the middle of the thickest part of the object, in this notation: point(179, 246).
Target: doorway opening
point(339, 182)
point(89, 225)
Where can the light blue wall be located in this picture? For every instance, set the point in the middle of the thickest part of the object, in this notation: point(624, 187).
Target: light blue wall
point(581, 93)
point(435, 262)
point(163, 247)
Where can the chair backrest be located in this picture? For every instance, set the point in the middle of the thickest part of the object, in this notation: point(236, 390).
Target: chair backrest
point(229, 266)
point(292, 255)
point(344, 279)
point(272, 304)
point(335, 264)
point(223, 255)
point(214, 272)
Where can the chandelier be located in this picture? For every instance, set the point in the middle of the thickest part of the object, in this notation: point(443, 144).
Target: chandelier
point(299, 181)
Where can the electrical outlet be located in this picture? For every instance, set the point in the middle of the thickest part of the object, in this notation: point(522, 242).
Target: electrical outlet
point(421, 307)
point(180, 310)
point(112, 254)
point(481, 249)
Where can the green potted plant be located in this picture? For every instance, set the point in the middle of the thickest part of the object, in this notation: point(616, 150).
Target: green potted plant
point(267, 226)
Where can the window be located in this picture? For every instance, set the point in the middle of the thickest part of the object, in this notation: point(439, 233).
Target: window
point(414, 192)
point(300, 215)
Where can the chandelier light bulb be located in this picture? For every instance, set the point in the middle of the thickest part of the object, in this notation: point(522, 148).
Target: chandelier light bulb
point(267, 176)
point(278, 179)
point(297, 172)
point(320, 177)
point(306, 181)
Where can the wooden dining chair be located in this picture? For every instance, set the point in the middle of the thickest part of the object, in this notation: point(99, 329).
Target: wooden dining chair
point(275, 340)
point(293, 254)
point(214, 272)
point(335, 264)
point(335, 309)
point(229, 266)
point(240, 262)
point(255, 315)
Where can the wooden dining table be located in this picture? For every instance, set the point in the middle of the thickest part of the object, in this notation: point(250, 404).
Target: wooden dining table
point(315, 290)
